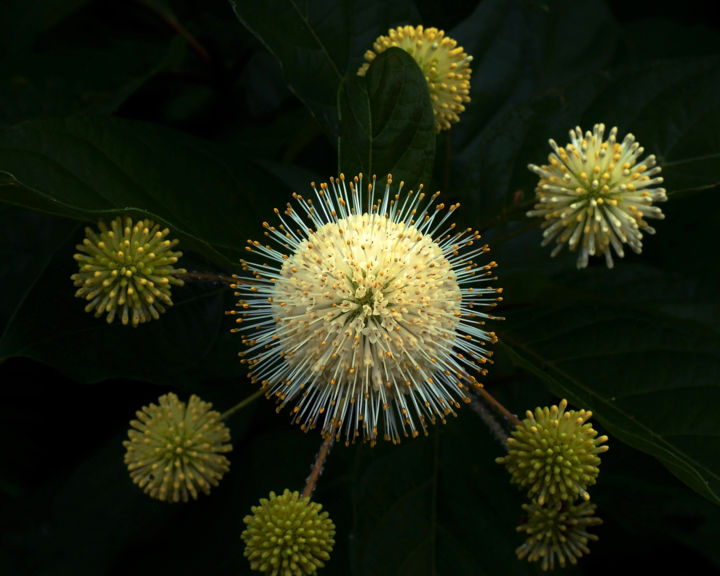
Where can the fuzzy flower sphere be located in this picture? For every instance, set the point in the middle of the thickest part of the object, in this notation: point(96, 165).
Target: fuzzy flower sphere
point(288, 535)
point(444, 63)
point(368, 312)
point(557, 533)
point(126, 271)
point(175, 450)
point(554, 454)
point(596, 194)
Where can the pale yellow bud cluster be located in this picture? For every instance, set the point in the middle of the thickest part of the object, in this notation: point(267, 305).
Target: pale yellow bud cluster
point(596, 194)
point(445, 65)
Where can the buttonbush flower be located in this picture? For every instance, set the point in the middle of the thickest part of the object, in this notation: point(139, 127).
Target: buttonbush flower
point(175, 449)
point(554, 453)
point(370, 315)
point(444, 63)
point(595, 194)
point(557, 532)
point(288, 535)
point(126, 270)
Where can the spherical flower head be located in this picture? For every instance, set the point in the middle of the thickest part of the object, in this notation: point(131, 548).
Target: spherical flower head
point(370, 315)
point(176, 450)
point(557, 533)
point(554, 454)
point(288, 535)
point(595, 194)
point(445, 65)
point(127, 270)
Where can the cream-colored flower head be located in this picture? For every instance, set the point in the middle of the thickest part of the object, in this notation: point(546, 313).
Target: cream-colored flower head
point(368, 312)
point(127, 270)
point(557, 533)
point(596, 194)
point(288, 535)
point(554, 453)
point(175, 449)
point(445, 65)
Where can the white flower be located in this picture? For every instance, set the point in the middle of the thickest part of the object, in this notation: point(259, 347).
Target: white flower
point(371, 315)
point(594, 195)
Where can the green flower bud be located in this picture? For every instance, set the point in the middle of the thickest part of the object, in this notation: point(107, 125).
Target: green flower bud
point(288, 535)
point(175, 450)
point(127, 270)
point(554, 454)
point(557, 533)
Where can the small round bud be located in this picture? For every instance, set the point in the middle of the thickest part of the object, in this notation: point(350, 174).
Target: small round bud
point(175, 450)
point(557, 532)
point(127, 270)
point(444, 64)
point(288, 535)
point(554, 454)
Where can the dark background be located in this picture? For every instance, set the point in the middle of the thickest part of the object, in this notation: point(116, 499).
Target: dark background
point(67, 505)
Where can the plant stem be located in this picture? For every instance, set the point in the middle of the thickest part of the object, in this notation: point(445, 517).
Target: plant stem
point(169, 18)
point(509, 416)
point(240, 405)
point(487, 417)
point(208, 276)
point(318, 466)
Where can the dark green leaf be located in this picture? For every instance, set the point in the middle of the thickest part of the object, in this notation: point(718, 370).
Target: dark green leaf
point(683, 94)
point(87, 168)
point(387, 121)
point(29, 252)
point(641, 502)
point(638, 344)
point(421, 507)
point(51, 83)
point(523, 48)
point(190, 343)
point(648, 377)
point(318, 42)
point(22, 21)
point(92, 167)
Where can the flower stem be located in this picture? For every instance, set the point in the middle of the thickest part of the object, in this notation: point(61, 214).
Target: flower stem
point(207, 276)
point(674, 194)
point(489, 419)
point(509, 416)
point(318, 466)
point(240, 405)
point(169, 18)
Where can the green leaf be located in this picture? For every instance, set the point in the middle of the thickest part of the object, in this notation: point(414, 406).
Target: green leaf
point(420, 507)
point(671, 106)
point(318, 42)
point(44, 321)
point(27, 254)
point(93, 167)
point(22, 21)
point(649, 378)
point(637, 344)
point(520, 49)
point(653, 507)
point(387, 121)
point(51, 83)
